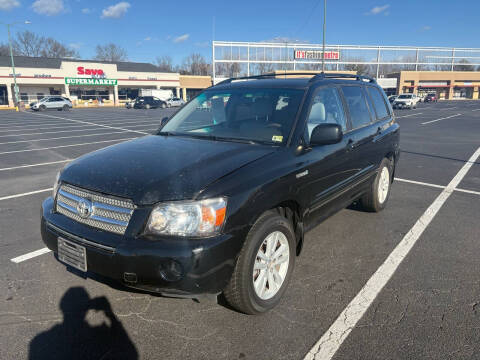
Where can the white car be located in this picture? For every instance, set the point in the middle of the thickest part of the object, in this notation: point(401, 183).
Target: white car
point(406, 101)
point(175, 102)
point(52, 102)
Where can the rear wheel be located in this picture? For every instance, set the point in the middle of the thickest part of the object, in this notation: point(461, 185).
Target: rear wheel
point(66, 108)
point(376, 199)
point(147, 106)
point(163, 105)
point(264, 266)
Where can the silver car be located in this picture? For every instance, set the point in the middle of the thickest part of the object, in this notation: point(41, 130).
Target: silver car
point(175, 102)
point(52, 102)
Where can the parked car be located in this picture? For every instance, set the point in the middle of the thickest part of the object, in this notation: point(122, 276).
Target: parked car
point(52, 102)
point(431, 97)
point(220, 200)
point(392, 98)
point(405, 101)
point(149, 102)
point(175, 102)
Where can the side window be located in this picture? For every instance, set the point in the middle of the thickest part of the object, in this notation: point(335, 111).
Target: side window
point(378, 102)
point(357, 105)
point(326, 108)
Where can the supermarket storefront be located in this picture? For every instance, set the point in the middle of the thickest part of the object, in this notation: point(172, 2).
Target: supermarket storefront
point(85, 82)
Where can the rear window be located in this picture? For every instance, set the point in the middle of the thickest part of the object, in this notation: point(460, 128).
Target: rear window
point(378, 102)
point(357, 106)
point(405, 97)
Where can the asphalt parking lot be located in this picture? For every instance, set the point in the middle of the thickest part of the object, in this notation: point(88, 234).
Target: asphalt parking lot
point(419, 259)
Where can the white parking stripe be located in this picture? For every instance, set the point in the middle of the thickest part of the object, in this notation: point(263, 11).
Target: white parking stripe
point(420, 183)
point(33, 165)
point(74, 127)
point(399, 117)
point(64, 137)
point(330, 342)
point(64, 146)
point(24, 194)
point(87, 122)
point(475, 109)
point(30, 255)
point(468, 191)
point(432, 121)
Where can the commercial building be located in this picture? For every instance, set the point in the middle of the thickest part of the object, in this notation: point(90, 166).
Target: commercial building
point(88, 82)
point(448, 85)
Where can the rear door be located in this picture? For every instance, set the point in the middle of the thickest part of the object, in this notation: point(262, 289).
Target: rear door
point(359, 142)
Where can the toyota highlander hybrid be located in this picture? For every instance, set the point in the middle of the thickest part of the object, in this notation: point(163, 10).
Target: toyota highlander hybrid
point(220, 198)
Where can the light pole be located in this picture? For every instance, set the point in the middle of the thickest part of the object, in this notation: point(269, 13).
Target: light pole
point(324, 25)
point(15, 87)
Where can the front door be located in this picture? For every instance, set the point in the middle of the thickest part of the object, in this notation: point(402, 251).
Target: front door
point(325, 169)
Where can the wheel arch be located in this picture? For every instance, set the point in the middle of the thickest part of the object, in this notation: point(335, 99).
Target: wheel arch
point(291, 210)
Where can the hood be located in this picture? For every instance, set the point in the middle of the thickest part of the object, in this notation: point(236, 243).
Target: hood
point(159, 168)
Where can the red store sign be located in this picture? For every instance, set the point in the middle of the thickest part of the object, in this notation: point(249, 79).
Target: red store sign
point(82, 71)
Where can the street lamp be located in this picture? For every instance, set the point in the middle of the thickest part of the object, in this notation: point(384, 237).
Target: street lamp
point(11, 56)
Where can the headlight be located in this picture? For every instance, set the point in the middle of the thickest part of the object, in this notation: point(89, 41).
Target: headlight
point(188, 218)
point(55, 185)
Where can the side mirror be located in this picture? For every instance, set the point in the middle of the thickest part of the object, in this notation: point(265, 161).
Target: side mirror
point(325, 134)
point(163, 122)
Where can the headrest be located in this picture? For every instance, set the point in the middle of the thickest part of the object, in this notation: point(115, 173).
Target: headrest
point(317, 113)
point(262, 107)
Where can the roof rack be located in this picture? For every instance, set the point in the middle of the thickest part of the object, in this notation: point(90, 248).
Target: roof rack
point(263, 76)
point(323, 76)
point(315, 77)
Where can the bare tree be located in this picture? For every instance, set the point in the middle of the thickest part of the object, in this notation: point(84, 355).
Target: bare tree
point(165, 63)
point(464, 66)
point(54, 49)
point(28, 43)
point(195, 64)
point(4, 50)
point(110, 52)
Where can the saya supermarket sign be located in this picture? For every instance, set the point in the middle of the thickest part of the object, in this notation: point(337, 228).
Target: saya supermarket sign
point(90, 81)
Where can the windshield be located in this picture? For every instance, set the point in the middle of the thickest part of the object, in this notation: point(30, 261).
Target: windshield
point(405, 97)
point(259, 115)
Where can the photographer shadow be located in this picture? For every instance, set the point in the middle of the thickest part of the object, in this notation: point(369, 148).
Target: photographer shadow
point(75, 338)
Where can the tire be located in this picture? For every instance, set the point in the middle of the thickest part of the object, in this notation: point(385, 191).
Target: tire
point(169, 105)
point(147, 106)
point(377, 197)
point(164, 105)
point(42, 108)
point(240, 292)
point(65, 108)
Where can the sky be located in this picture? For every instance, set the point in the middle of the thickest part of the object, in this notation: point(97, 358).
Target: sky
point(151, 28)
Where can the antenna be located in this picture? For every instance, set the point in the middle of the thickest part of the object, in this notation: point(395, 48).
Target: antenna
point(324, 25)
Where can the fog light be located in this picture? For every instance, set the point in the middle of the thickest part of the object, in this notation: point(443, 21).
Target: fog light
point(171, 270)
point(130, 277)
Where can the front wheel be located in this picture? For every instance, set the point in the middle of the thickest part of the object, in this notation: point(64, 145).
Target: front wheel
point(376, 199)
point(264, 266)
point(42, 108)
point(164, 105)
point(66, 108)
point(147, 106)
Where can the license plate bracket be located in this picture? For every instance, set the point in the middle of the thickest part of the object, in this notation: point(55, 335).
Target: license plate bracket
point(72, 254)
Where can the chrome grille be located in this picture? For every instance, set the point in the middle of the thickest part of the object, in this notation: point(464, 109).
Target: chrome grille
point(104, 212)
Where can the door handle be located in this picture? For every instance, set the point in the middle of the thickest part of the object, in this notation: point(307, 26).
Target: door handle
point(379, 130)
point(350, 144)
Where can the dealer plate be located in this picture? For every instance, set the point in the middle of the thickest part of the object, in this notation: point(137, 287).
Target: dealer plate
point(72, 254)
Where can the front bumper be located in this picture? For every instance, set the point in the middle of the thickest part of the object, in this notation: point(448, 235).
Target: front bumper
point(171, 266)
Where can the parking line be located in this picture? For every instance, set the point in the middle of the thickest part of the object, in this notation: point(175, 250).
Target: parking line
point(33, 165)
point(30, 255)
point(64, 146)
point(420, 183)
point(475, 109)
point(333, 338)
point(24, 194)
point(87, 122)
point(432, 121)
point(64, 137)
point(399, 117)
point(468, 191)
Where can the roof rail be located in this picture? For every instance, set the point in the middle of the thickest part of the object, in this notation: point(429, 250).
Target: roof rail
point(323, 76)
point(263, 76)
point(315, 77)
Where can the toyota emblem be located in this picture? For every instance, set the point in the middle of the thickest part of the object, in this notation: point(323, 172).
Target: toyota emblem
point(84, 208)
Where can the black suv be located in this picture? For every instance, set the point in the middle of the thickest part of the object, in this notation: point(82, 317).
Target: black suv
point(149, 102)
point(220, 199)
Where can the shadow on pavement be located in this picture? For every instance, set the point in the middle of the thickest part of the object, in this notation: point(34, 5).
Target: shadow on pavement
point(75, 338)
